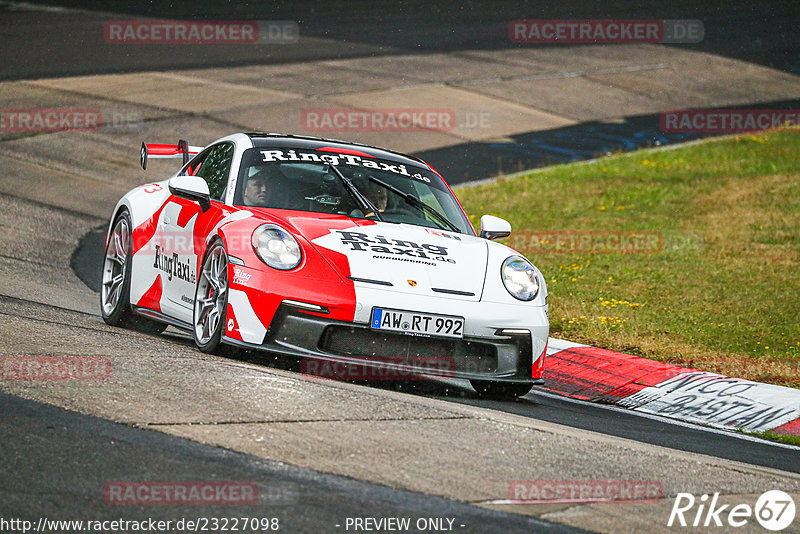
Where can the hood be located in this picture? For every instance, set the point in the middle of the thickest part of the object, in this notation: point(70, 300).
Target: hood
point(404, 257)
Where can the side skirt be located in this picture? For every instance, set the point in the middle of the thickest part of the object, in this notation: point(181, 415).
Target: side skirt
point(160, 317)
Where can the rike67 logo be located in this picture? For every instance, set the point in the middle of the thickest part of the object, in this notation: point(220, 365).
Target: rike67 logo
point(774, 510)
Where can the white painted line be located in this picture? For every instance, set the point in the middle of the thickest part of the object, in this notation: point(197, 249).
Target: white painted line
point(555, 345)
point(27, 6)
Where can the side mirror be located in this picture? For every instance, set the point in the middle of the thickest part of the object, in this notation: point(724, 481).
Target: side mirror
point(494, 227)
point(191, 188)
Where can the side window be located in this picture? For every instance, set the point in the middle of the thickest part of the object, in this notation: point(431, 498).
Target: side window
point(214, 166)
point(194, 165)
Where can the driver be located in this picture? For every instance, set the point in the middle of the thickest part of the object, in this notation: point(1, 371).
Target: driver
point(262, 189)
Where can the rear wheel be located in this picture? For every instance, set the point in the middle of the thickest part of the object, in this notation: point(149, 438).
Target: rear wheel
point(211, 299)
point(500, 390)
point(115, 292)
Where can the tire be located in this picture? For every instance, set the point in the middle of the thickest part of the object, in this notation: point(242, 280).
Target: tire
point(500, 390)
point(211, 300)
point(115, 290)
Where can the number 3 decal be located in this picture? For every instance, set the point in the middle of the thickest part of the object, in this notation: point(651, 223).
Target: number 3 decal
point(152, 188)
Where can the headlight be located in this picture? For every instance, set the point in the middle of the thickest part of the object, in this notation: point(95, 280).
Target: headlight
point(276, 247)
point(520, 278)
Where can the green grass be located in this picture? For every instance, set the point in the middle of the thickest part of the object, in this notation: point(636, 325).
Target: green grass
point(780, 438)
point(723, 294)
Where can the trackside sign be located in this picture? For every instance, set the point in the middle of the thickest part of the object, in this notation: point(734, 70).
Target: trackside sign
point(719, 401)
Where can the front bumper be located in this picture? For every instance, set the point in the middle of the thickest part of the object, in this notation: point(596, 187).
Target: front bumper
point(515, 358)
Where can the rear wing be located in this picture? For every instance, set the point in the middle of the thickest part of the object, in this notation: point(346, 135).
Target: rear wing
point(181, 150)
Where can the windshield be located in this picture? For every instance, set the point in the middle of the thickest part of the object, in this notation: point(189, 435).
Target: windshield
point(304, 180)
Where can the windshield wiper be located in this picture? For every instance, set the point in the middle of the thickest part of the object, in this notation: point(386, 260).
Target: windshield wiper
point(414, 201)
point(363, 202)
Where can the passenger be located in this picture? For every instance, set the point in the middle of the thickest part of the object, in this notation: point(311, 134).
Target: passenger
point(376, 194)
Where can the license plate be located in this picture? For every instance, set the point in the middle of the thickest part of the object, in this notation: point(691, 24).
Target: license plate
point(416, 323)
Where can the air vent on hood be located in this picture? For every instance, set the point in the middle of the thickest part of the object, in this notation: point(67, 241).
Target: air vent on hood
point(453, 291)
point(370, 281)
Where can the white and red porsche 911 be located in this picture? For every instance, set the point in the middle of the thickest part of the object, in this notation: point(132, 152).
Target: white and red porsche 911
point(327, 250)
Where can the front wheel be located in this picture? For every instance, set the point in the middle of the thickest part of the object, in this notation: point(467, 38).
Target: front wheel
point(500, 390)
point(211, 299)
